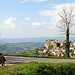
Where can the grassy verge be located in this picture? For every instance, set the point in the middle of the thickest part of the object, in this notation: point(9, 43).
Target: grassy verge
point(37, 56)
point(36, 68)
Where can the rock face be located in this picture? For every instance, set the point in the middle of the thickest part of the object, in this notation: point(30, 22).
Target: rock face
point(74, 44)
point(49, 43)
point(62, 42)
point(53, 48)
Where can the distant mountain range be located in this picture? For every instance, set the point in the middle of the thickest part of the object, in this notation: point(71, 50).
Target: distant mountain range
point(39, 39)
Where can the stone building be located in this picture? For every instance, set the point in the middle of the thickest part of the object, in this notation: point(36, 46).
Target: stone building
point(49, 43)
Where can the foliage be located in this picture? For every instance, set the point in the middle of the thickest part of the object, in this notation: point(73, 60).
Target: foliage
point(50, 47)
point(58, 44)
point(64, 45)
point(30, 52)
point(44, 47)
point(36, 68)
point(36, 51)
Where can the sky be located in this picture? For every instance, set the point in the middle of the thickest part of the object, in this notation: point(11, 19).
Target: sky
point(31, 18)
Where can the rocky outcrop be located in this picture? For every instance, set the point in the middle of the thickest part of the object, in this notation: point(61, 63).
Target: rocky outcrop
point(74, 44)
point(62, 42)
point(57, 50)
point(49, 43)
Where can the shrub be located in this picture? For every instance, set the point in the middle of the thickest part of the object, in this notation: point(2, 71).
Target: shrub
point(36, 68)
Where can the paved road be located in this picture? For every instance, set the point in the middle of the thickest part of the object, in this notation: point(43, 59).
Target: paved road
point(15, 60)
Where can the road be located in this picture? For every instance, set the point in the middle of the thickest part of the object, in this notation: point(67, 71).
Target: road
point(15, 60)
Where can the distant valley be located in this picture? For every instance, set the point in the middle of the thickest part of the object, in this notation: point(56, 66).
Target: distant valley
point(20, 45)
point(17, 48)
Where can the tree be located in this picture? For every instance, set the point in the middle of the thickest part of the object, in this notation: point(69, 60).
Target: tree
point(36, 51)
point(67, 18)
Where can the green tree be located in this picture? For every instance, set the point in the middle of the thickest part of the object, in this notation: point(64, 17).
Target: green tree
point(36, 51)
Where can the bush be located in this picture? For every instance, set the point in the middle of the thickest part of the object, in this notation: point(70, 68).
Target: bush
point(36, 68)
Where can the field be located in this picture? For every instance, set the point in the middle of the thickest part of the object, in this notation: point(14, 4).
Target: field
point(18, 48)
point(37, 68)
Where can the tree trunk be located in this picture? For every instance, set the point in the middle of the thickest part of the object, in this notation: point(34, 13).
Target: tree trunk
point(67, 43)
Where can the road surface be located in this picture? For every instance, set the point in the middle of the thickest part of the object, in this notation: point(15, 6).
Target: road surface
point(16, 60)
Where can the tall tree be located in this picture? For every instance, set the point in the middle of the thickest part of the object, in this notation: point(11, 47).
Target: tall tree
point(67, 17)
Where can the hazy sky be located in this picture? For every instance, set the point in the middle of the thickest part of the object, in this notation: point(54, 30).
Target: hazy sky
point(30, 18)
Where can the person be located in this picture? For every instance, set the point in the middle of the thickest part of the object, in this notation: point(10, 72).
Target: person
point(2, 61)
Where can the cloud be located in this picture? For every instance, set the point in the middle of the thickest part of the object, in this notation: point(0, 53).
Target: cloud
point(51, 27)
point(24, 1)
point(37, 24)
point(54, 10)
point(10, 22)
point(27, 18)
point(33, 1)
point(47, 12)
point(44, 25)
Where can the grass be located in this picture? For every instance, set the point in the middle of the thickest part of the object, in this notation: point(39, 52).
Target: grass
point(36, 68)
point(30, 52)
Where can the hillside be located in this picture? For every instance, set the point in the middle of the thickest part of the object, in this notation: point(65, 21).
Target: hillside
point(17, 48)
